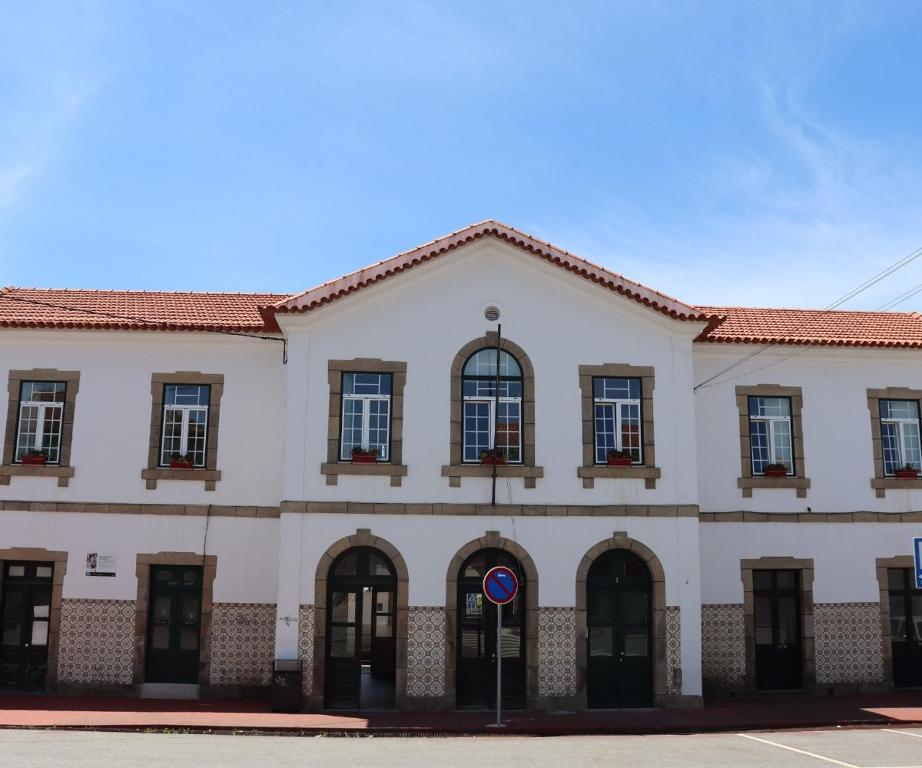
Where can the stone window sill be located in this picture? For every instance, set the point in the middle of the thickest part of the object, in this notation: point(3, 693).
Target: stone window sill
point(883, 484)
point(333, 470)
point(648, 474)
point(454, 472)
point(800, 484)
point(64, 474)
point(209, 476)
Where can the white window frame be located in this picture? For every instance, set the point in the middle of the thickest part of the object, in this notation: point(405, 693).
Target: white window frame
point(616, 403)
point(185, 410)
point(901, 424)
point(365, 399)
point(491, 405)
point(42, 406)
point(773, 440)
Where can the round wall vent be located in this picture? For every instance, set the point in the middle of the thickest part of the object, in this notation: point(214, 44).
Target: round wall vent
point(491, 313)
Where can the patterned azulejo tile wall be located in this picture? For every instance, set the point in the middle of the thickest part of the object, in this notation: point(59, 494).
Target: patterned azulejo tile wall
point(849, 645)
point(723, 645)
point(306, 646)
point(556, 651)
point(673, 650)
point(242, 644)
point(426, 651)
point(96, 642)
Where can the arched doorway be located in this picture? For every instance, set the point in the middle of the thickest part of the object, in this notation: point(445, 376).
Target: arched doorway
point(619, 619)
point(476, 636)
point(360, 655)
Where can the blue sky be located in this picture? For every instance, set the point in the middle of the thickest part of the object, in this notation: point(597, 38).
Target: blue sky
point(762, 154)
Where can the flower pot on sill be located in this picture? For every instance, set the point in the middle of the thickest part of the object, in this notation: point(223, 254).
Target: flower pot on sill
point(180, 464)
point(364, 458)
point(34, 461)
point(619, 462)
point(907, 474)
point(776, 473)
point(491, 460)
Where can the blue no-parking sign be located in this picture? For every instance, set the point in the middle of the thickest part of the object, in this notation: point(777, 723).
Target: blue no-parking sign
point(500, 585)
point(917, 551)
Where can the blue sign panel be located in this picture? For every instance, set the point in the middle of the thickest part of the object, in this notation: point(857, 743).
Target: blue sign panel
point(917, 551)
point(500, 585)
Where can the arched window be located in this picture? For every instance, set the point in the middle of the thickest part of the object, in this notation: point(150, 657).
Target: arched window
point(487, 432)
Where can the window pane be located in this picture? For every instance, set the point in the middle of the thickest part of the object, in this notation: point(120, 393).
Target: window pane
point(342, 642)
point(28, 430)
point(763, 619)
point(472, 641)
point(781, 442)
point(378, 566)
point(188, 639)
point(508, 431)
point(172, 435)
point(600, 641)
point(366, 383)
point(899, 409)
point(615, 388)
point(195, 441)
point(511, 642)
point(890, 445)
point(343, 607)
point(896, 577)
point(898, 626)
point(605, 438)
point(43, 391)
point(630, 429)
point(347, 565)
point(353, 417)
point(476, 429)
point(379, 426)
point(483, 363)
point(51, 437)
point(787, 621)
point(186, 394)
point(777, 407)
point(911, 452)
point(759, 442)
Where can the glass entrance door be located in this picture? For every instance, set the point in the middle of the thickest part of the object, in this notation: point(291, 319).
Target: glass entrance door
point(174, 624)
point(25, 612)
point(905, 627)
point(620, 624)
point(476, 659)
point(361, 650)
point(779, 660)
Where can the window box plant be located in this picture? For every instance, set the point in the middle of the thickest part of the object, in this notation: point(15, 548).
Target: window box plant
point(619, 459)
point(908, 472)
point(776, 470)
point(182, 461)
point(35, 457)
point(493, 456)
point(362, 456)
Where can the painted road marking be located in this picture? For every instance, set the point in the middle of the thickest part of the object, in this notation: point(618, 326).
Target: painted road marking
point(798, 751)
point(903, 733)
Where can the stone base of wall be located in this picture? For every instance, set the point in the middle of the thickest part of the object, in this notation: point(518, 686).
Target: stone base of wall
point(96, 645)
point(242, 645)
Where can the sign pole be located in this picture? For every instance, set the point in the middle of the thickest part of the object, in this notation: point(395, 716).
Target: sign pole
point(499, 666)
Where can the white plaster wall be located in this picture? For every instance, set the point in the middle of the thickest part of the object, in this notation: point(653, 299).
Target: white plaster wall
point(113, 408)
point(246, 549)
point(428, 314)
point(843, 555)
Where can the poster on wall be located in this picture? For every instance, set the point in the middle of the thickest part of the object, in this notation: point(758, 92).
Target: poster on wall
point(100, 564)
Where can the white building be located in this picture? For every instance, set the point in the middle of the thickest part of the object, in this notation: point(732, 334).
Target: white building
point(659, 557)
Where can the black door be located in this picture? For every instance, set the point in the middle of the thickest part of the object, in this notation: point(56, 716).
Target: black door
point(619, 600)
point(779, 660)
point(905, 628)
point(361, 651)
point(476, 660)
point(174, 624)
point(25, 609)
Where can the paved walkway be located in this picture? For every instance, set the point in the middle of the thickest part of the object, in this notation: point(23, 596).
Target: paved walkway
point(775, 712)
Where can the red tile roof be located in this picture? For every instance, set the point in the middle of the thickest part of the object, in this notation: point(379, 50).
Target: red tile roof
point(343, 286)
point(136, 310)
point(755, 325)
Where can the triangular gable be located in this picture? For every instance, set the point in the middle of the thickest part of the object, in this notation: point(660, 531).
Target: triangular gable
point(356, 281)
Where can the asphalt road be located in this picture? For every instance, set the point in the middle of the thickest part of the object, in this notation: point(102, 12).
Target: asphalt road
point(856, 748)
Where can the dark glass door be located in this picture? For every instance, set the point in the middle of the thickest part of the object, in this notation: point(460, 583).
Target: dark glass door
point(779, 658)
point(905, 627)
point(475, 670)
point(174, 624)
point(619, 599)
point(361, 651)
point(25, 610)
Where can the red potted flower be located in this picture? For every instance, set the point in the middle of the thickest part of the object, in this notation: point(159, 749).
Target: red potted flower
point(493, 456)
point(909, 472)
point(619, 459)
point(182, 461)
point(363, 456)
point(776, 470)
point(35, 457)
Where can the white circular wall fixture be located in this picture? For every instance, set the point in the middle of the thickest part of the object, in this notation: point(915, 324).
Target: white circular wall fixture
point(491, 313)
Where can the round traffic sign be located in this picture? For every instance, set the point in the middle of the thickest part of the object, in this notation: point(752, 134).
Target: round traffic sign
point(500, 585)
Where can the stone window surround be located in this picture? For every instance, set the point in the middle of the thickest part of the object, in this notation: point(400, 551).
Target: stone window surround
point(63, 470)
point(590, 470)
point(808, 647)
point(456, 469)
point(210, 474)
point(143, 563)
point(747, 481)
point(493, 540)
point(881, 483)
point(394, 467)
point(363, 537)
point(882, 564)
point(620, 540)
point(58, 562)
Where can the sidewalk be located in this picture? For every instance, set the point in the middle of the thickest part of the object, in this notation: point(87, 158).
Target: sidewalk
point(100, 713)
